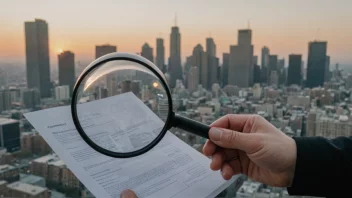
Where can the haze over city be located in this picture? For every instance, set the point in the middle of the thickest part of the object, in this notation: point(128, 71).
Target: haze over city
point(284, 26)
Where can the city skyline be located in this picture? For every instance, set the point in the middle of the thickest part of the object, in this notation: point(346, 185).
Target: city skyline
point(284, 35)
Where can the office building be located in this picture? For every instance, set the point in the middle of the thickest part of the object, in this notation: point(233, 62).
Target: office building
point(5, 100)
point(10, 135)
point(174, 66)
point(100, 93)
point(273, 63)
point(37, 56)
point(15, 95)
point(30, 98)
point(126, 86)
point(67, 69)
point(34, 143)
point(256, 74)
point(136, 88)
point(255, 60)
point(213, 63)
point(316, 66)
point(265, 57)
point(160, 54)
point(200, 60)
point(9, 173)
point(20, 189)
point(3, 78)
point(147, 52)
point(101, 50)
point(295, 72)
point(62, 92)
point(225, 68)
point(241, 60)
point(193, 78)
point(32, 179)
point(327, 69)
point(274, 78)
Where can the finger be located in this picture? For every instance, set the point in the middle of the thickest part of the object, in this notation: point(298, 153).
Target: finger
point(128, 194)
point(232, 139)
point(232, 121)
point(209, 148)
point(226, 171)
point(236, 166)
point(217, 161)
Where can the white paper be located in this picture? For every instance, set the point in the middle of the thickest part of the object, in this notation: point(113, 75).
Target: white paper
point(170, 169)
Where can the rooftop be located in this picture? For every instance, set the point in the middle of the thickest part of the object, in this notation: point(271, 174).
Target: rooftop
point(57, 163)
point(4, 121)
point(30, 179)
point(26, 188)
point(47, 159)
point(6, 167)
point(3, 182)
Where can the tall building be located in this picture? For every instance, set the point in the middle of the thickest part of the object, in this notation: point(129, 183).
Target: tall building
point(67, 69)
point(10, 135)
point(30, 98)
point(294, 75)
point(316, 66)
point(5, 100)
point(174, 66)
point(160, 54)
point(265, 56)
point(101, 50)
point(210, 47)
point(37, 56)
point(327, 69)
point(225, 68)
point(213, 63)
point(200, 60)
point(255, 60)
point(281, 71)
point(193, 78)
point(241, 60)
point(3, 78)
point(273, 63)
point(62, 92)
point(147, 52)
point(256, 74)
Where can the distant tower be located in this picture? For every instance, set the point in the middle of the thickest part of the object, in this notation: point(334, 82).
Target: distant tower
point(174, 65)
point(241, 60)
point(213, 63)
point(316, 66)
point(37, 56)
point(101, 50)
point(160, 54)
point(67, 69)
point(200, 60)
point(147, 52)
point(294, 74)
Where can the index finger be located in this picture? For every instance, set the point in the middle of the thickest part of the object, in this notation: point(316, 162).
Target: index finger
point(234, 122)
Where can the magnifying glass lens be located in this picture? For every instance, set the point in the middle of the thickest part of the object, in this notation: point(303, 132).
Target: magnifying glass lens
point(121, 106)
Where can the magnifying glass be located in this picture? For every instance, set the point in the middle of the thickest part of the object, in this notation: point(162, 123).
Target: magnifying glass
point(124, 129)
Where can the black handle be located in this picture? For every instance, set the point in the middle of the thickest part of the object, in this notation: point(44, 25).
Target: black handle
point(191, 126)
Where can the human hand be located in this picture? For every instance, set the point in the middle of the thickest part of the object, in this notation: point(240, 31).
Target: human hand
point(251, 145)
point(128, 194)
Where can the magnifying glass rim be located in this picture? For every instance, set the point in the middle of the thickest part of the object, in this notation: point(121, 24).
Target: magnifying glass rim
point(85, 137)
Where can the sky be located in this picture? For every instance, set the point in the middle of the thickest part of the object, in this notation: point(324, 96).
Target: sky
point(285, 26)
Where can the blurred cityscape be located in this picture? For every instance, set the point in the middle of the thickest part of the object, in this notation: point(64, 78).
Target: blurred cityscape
point(300, 97)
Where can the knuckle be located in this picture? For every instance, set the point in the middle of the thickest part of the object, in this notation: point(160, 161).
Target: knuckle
point(230, 136)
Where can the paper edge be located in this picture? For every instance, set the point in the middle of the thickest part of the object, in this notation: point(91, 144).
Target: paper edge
point(223, 187)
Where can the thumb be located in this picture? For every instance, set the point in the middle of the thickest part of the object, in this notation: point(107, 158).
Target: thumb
point(128, 194)
point(231, 139)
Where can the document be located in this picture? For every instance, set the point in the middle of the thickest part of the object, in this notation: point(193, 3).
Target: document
point(171, 169)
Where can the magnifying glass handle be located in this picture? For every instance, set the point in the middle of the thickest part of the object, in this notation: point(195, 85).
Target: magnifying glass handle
point(191, 126)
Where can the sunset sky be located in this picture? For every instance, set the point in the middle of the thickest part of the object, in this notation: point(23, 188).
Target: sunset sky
point(285, 26)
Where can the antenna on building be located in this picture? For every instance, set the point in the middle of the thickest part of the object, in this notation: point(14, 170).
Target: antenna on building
point(249, 24)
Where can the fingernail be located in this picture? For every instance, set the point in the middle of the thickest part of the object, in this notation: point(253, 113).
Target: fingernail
point(215, 134)
point(127, 194)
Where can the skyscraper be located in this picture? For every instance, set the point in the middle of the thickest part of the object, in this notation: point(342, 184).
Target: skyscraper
point(147, 52)
point(67, 69)
point(273, 63)
point(256, 74)
point(174, 65)
point(193, 78)
point(241, 60)
point(255, 60)
point(265, 64)
point(327, 69)
point(213, 63)
point(281, 71)
point(37, 56)
point(5, 100)
point(30, 98)
point(210, 47)
point(225, 68)
point(200, 60)
point(316, 66)
point(294, 75)
point(101, 50)
point(160, 54)
point(10, 135)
